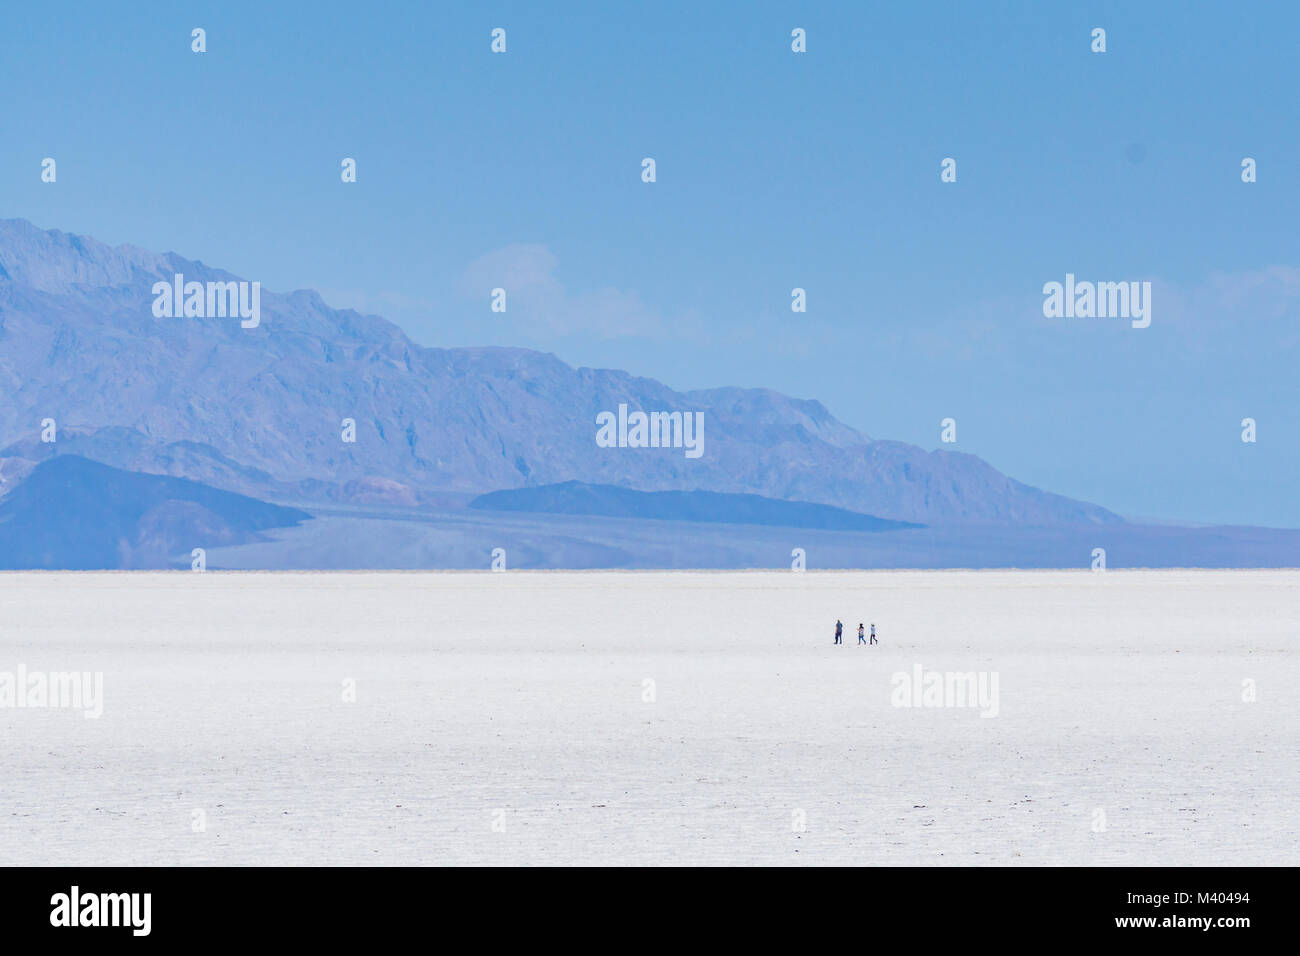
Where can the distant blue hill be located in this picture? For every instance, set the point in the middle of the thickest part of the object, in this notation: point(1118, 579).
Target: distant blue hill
point(75, 514)
point(579, 498)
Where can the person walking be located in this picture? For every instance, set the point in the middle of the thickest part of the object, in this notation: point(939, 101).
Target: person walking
point(873, 635)
point(861, 635)
point(839, 632)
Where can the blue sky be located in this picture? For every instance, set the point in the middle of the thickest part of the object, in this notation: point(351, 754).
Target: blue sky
point(775, 170)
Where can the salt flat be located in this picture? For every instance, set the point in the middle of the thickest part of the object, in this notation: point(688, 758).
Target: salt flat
point(507, 718)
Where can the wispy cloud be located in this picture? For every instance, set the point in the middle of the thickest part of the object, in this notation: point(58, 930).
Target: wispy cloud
point(538, 304)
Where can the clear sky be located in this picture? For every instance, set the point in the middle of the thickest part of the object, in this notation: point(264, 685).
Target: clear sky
point(775, 170)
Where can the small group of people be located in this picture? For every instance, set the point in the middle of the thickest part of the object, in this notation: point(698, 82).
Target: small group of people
point(862, 638)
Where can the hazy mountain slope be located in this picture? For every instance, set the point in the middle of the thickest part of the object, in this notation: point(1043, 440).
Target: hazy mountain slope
point(579, 498)
point(72, 513)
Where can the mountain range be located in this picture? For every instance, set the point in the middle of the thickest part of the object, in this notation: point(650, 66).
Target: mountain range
point(261, 411)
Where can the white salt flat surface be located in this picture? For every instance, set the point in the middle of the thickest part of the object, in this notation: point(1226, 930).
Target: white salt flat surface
point(516, 700)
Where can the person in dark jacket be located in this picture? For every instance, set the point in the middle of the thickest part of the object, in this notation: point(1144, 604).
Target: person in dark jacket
point(839, 632)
